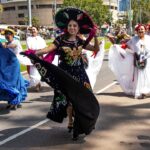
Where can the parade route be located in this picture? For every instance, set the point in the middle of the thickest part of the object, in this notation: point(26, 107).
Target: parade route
point(123, 123)
point(12, 137)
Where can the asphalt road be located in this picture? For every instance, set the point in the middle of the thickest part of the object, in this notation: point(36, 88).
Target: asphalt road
point(123, 123)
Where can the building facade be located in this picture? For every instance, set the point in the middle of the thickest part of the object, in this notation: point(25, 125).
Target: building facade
point(113, 7)
point(15, 11)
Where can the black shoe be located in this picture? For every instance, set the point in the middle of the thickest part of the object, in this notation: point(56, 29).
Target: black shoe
point(19, 106)
point(140, 97)
point(8, 106)
point(70, 129)
point(13, 107)
point(75, 136)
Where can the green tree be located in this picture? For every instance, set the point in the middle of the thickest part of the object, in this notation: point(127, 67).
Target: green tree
point(35, 21)
point(95, 9)
point(141, 11)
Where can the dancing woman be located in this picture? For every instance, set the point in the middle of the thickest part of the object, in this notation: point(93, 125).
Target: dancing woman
point(69, 46)
point(13, 87)
point(134, 78)
point(35, 42)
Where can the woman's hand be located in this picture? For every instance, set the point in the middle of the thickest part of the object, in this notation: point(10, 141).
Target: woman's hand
point(4, 45)
point(97, 32)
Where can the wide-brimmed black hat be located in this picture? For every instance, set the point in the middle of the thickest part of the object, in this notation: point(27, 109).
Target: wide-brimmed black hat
point(63, 17)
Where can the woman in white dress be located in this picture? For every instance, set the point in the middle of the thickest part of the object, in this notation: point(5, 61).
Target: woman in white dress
point(133, 71)
point(35, 42)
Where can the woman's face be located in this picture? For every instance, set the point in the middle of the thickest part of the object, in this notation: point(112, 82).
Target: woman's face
point(34, 31)
point(73, 27)
point(141, 31)
point(9, 37)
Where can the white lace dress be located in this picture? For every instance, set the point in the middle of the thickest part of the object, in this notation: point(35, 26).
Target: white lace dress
point(132, 80)
point(35, 43)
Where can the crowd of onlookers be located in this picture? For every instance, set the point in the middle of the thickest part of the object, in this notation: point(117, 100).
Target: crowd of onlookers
point(23, 31)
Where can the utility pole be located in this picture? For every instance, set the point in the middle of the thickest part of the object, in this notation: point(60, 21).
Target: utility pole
point(55, 6)
point(110, 12)
point(29, 13)
point(140, 18)
point(130, 18)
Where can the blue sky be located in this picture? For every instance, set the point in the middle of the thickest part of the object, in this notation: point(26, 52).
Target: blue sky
point(123, 5)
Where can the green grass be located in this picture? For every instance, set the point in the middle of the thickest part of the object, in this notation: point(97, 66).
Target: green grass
point(24, 46)
point(107, 45)
point(23, 68)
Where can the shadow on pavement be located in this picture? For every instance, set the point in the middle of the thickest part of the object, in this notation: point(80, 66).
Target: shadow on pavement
point(116, 94)
point(42, 90)
point(44, 99)
point(53, 137)
point(144, 140)
point(3, 109)
point(112, 117)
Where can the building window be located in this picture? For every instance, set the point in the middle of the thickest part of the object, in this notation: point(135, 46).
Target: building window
point(111, 7)
point(21, 15)
point(21, 22)
point(9, 8)
point(59, 5)
point(22, 7)
point(44, 6)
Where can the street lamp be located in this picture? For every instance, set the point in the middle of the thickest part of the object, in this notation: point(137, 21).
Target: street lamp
point(130, 17)
point(29, 13)
point(55, 6)
point(110, 14)
point(140, 18)
point(54, 13)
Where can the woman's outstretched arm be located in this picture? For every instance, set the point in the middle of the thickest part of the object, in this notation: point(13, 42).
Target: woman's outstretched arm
point(46, 50)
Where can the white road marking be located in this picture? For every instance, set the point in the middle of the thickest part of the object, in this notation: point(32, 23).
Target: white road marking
point(107, 87)
point(23, 132)
point(44, 121)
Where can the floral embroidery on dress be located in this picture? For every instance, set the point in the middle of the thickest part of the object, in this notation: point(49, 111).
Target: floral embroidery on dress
point(88, 86)
point(72, 55)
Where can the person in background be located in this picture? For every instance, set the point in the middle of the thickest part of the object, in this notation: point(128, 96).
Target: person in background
point(133, 70)
point(120, 36)
point(12, 44)
point(35, 42)
point(13, 87)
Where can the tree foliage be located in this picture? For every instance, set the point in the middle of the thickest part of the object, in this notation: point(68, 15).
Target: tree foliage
point(35, 21)
point(95, 9)
point(140, 8)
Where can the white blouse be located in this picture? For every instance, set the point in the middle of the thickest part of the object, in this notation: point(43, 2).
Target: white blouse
point(136, 44)
point(35, 43)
